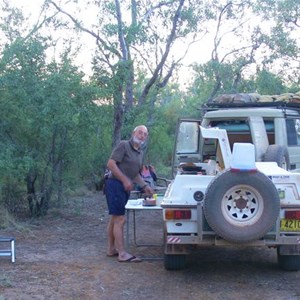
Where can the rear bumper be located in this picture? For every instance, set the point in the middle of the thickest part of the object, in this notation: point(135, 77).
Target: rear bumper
point(179, 244)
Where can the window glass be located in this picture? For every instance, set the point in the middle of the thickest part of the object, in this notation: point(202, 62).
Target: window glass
point(188, 137)
point(293, 131)
point(232, 125)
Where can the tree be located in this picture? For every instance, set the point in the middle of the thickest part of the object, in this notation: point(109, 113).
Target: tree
point(145, 41)
point(283, 39)
point(45, 118)
point(269, 84)
point(265, 46)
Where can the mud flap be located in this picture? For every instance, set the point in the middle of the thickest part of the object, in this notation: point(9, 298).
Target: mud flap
point(176, 249)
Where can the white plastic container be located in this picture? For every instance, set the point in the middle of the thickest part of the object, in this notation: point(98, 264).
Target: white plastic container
point(243, 157)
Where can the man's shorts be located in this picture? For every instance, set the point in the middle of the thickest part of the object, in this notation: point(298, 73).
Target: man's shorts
point(116, 197)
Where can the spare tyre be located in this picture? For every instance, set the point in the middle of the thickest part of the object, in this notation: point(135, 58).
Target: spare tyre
point(278, 154)
point(241, 206)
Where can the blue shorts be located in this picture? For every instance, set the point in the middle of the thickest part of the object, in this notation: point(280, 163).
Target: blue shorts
point(116, 197)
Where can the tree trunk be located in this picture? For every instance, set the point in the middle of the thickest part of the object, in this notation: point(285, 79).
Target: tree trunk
point(31, 196)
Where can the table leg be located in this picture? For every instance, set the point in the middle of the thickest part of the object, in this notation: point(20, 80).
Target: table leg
point(127, 227)
point(134, 230)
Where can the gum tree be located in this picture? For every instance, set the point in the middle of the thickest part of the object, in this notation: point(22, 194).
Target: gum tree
point(139, 37)
point(249, 36)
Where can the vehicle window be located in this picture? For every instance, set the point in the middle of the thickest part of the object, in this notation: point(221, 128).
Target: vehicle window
point(293, 131)
point(269, 125)
point(188, 137)
point(238, 131)
point(231, 125)
point(209, 149)
point(270, 128)
point(240, 125)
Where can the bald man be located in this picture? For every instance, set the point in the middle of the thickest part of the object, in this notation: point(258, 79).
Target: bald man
point(125, 164)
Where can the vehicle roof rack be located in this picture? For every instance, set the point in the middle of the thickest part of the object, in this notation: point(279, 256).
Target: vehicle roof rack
point(231, 105)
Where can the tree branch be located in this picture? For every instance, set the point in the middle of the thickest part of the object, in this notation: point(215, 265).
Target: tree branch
point(121, 37)
point(95, 35)
point(159, 67)
point(151, 10)
point(38, 25)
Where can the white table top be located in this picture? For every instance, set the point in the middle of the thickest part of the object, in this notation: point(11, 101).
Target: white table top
point(137, 204)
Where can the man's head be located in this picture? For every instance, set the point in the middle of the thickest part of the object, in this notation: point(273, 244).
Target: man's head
point(139, 135)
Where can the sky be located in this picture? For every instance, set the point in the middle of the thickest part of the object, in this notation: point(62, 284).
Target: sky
point(199, 52)
point(32, 7)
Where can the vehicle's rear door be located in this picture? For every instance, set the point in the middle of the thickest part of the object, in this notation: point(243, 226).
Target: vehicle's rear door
point(187, 145)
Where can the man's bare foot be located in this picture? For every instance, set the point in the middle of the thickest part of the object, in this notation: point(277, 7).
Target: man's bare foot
point(131, 259)
point(126, 257)
point(113, 252)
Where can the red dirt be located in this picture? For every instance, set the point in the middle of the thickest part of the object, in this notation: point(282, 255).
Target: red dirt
point(63, 256)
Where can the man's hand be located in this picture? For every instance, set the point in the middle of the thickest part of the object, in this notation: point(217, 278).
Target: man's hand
point(127, 183)
point(148, 190)
point(113, 167)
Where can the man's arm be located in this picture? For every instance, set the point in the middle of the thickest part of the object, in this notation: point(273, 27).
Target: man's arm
point(145, 187)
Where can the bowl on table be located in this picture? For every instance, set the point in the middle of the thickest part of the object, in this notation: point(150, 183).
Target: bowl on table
point(149, 201)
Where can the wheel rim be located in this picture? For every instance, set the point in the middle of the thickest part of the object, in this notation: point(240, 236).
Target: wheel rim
point(242, 205)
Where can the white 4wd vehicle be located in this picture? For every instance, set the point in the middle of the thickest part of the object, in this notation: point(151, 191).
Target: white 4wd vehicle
point(222, 197)
point(272, 127)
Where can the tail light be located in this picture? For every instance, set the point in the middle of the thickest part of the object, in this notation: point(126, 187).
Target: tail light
point(292, 214)
point(178, 214)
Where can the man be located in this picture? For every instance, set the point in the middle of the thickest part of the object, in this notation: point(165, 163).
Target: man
point(124, 164)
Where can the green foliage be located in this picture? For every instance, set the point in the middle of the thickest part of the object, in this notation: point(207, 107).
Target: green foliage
point(205, 79)
point(56, 130)
point(264, 82)
point(11, 20)
point(284, 11)
point(269, 84)
point(48, 122)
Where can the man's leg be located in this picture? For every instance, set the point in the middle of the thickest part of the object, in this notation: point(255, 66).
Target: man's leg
point(118, 227)
point(111, 248)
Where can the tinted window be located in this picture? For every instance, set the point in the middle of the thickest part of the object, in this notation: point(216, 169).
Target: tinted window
point(240, 125)
point(293, 131)
point(232, 125)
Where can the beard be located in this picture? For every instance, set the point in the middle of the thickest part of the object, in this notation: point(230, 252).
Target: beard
point(138, 141)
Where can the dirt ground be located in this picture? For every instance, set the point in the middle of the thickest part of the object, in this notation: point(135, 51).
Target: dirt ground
point(63, 257)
